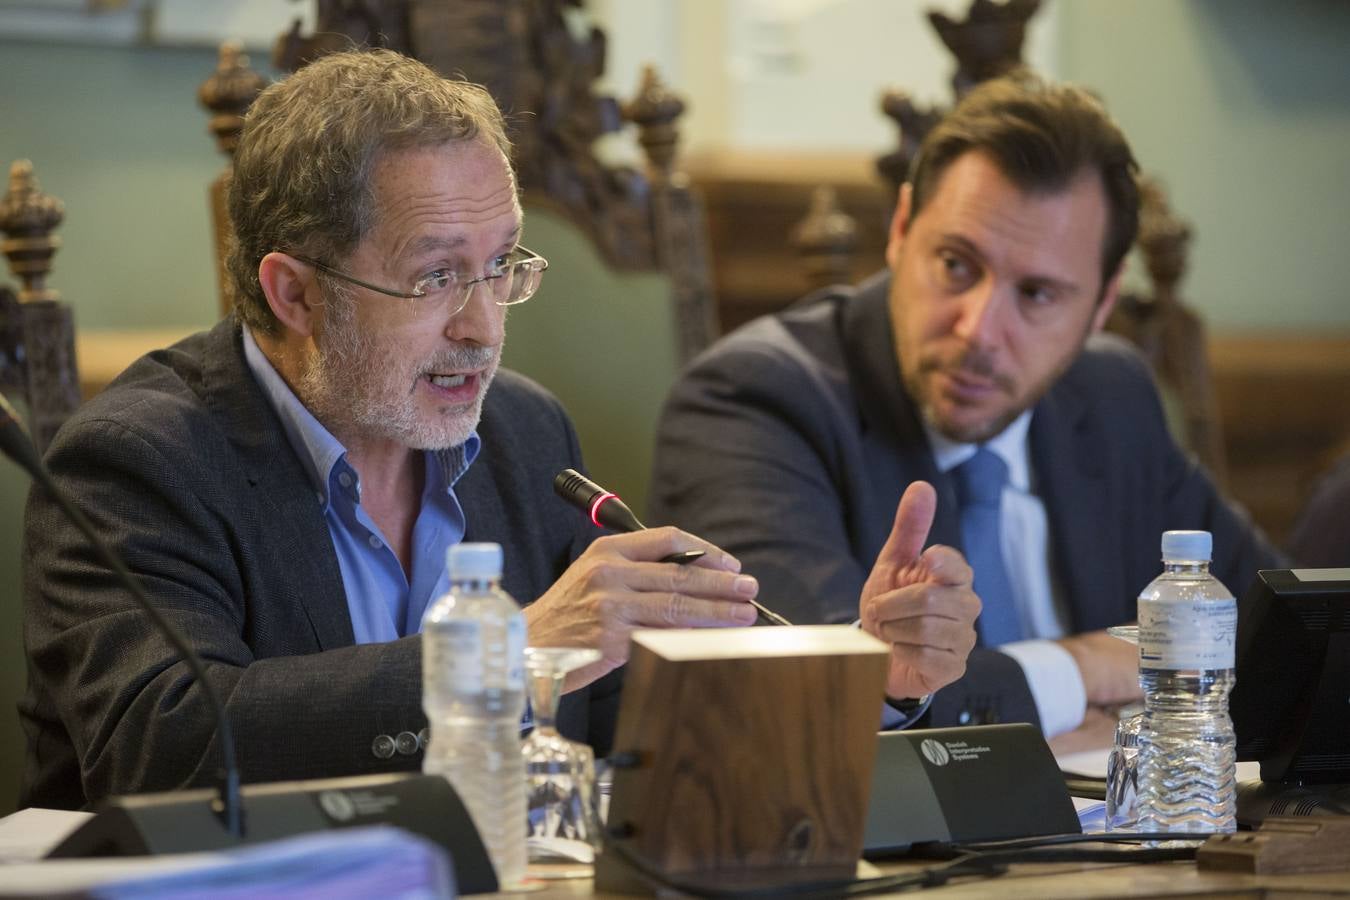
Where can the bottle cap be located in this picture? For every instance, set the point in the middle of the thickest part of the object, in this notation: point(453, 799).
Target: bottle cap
point(481, 561)
point(1186, 545)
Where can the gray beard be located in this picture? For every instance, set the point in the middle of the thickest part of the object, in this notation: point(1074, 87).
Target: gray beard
point(354, 387)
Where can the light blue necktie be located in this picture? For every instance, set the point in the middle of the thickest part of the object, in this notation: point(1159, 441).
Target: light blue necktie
point(979, 489)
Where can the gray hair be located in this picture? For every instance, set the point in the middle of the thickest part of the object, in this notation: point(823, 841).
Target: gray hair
point(307, 154)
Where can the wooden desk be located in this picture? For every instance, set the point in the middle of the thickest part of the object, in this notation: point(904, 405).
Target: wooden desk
point(1074, 881)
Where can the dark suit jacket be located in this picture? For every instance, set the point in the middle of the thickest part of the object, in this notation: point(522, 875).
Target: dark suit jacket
point(790, 442)
point(185, 470)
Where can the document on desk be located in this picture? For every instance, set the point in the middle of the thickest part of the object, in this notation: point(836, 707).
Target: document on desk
point(345, 863)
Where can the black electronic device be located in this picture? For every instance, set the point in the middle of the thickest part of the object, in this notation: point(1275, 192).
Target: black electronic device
point(218, 818)
point(1289, 702)
point(183, 821)
point(978, 783)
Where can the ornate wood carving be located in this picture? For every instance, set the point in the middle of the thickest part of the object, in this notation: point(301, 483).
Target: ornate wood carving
point(227, 95)
point(986, 44)
point(826, 240)
point(1170, 335)
point(37, 330)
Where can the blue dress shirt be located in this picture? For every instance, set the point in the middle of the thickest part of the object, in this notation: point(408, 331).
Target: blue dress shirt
point(384, 603)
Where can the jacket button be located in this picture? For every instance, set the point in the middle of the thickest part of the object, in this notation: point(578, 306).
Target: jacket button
point(424, 738)
point(406, 743)
point(382, 746)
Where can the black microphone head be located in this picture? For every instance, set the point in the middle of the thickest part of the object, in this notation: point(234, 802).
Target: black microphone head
point(604, 507)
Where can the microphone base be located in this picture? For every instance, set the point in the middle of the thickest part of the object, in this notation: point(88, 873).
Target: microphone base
point(186, 821)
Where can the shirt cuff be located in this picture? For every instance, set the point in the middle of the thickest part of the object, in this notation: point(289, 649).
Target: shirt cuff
point(1055, 682)
point(900, 714)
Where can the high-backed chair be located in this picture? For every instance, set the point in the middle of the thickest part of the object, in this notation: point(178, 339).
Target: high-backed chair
point(37, 330)
point(628, 296)
point(1170, 334)
point(37, 369)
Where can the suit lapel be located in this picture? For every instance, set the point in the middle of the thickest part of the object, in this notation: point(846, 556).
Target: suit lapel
point(1069, 459)
point(894, 444)
point(278, 485)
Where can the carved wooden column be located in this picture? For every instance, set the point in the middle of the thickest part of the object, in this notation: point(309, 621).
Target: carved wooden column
point(986, 43)
point(1169, 333)
point(826, 240)
point(37, 330)
point(227, 95)
point(681, 235)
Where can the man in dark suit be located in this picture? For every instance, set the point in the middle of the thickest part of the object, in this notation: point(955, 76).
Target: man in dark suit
point(285, 486)
point(974, 364)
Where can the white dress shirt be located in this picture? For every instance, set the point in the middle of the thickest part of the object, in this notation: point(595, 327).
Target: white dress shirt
point(1051, 673)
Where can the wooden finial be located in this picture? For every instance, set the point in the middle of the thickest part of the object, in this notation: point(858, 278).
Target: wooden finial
point(654, 111)
point(228, 93)
point(1164, 239)
point(27, 219)
point(826, 239)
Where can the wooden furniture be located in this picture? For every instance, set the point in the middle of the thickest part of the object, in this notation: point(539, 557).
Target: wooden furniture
point(745, 758)
point(1071, 881)
point(1170, 334)
point(1282, 421)
point(37, 330)
point(227, 95)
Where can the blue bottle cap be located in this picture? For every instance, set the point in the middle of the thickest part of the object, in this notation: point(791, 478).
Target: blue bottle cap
point(1187, 546)
point(479, 561)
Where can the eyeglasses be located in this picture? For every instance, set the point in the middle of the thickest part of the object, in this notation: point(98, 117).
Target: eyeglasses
point(514, 279)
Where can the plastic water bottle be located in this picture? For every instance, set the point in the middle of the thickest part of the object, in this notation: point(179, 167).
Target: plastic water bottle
point(1187, 758)
point(473, 691)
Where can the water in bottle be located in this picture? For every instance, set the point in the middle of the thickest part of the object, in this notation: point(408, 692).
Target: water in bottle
point(473, 691)
point(1187, 628)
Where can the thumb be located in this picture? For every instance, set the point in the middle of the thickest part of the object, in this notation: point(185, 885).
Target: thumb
point(913, 519)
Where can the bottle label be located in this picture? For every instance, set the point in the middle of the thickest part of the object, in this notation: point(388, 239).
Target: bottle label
point(1187, 634)
point(515, 653)
point(460, 654)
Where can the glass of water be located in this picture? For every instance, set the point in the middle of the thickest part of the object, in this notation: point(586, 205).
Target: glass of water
point(560, 774)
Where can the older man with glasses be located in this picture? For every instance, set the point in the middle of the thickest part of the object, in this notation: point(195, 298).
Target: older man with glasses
point(285, 485)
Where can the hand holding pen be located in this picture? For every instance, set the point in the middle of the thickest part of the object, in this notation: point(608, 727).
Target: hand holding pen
point(606, 510)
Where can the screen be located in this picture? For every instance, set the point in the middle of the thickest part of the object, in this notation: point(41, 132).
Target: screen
point(1291, 702)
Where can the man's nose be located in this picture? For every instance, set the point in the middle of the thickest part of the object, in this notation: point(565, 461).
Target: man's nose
point(481, 321)
point(978, 320)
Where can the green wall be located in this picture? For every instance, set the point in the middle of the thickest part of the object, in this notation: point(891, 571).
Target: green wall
point(1243, 108)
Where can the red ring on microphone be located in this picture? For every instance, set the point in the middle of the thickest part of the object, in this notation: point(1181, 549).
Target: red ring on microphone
point(595, 505)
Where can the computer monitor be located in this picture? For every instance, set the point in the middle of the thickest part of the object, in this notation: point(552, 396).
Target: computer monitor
point(1291, 703)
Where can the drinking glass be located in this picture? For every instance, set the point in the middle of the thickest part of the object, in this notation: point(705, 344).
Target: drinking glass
point(1122, 766)
point(560, 774)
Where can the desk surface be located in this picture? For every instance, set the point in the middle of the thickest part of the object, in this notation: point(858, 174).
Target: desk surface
point(1062, 881)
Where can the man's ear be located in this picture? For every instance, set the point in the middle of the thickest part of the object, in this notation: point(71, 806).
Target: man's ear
point(899, 225)
point(1108, 301)
point(287, 284)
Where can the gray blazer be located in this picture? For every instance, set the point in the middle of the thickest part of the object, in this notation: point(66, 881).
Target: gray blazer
point(185, 470)
point(789, 444)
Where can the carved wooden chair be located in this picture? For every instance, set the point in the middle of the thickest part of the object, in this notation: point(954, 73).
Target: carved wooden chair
point(1170, 334)
point(628, 297)
point(37, 330)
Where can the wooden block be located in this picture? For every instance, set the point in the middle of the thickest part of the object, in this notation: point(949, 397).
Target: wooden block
point(753, 752)
point(1283, 845)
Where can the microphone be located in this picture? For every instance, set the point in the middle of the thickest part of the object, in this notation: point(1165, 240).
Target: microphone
point(608, 511)
point(16, 444)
